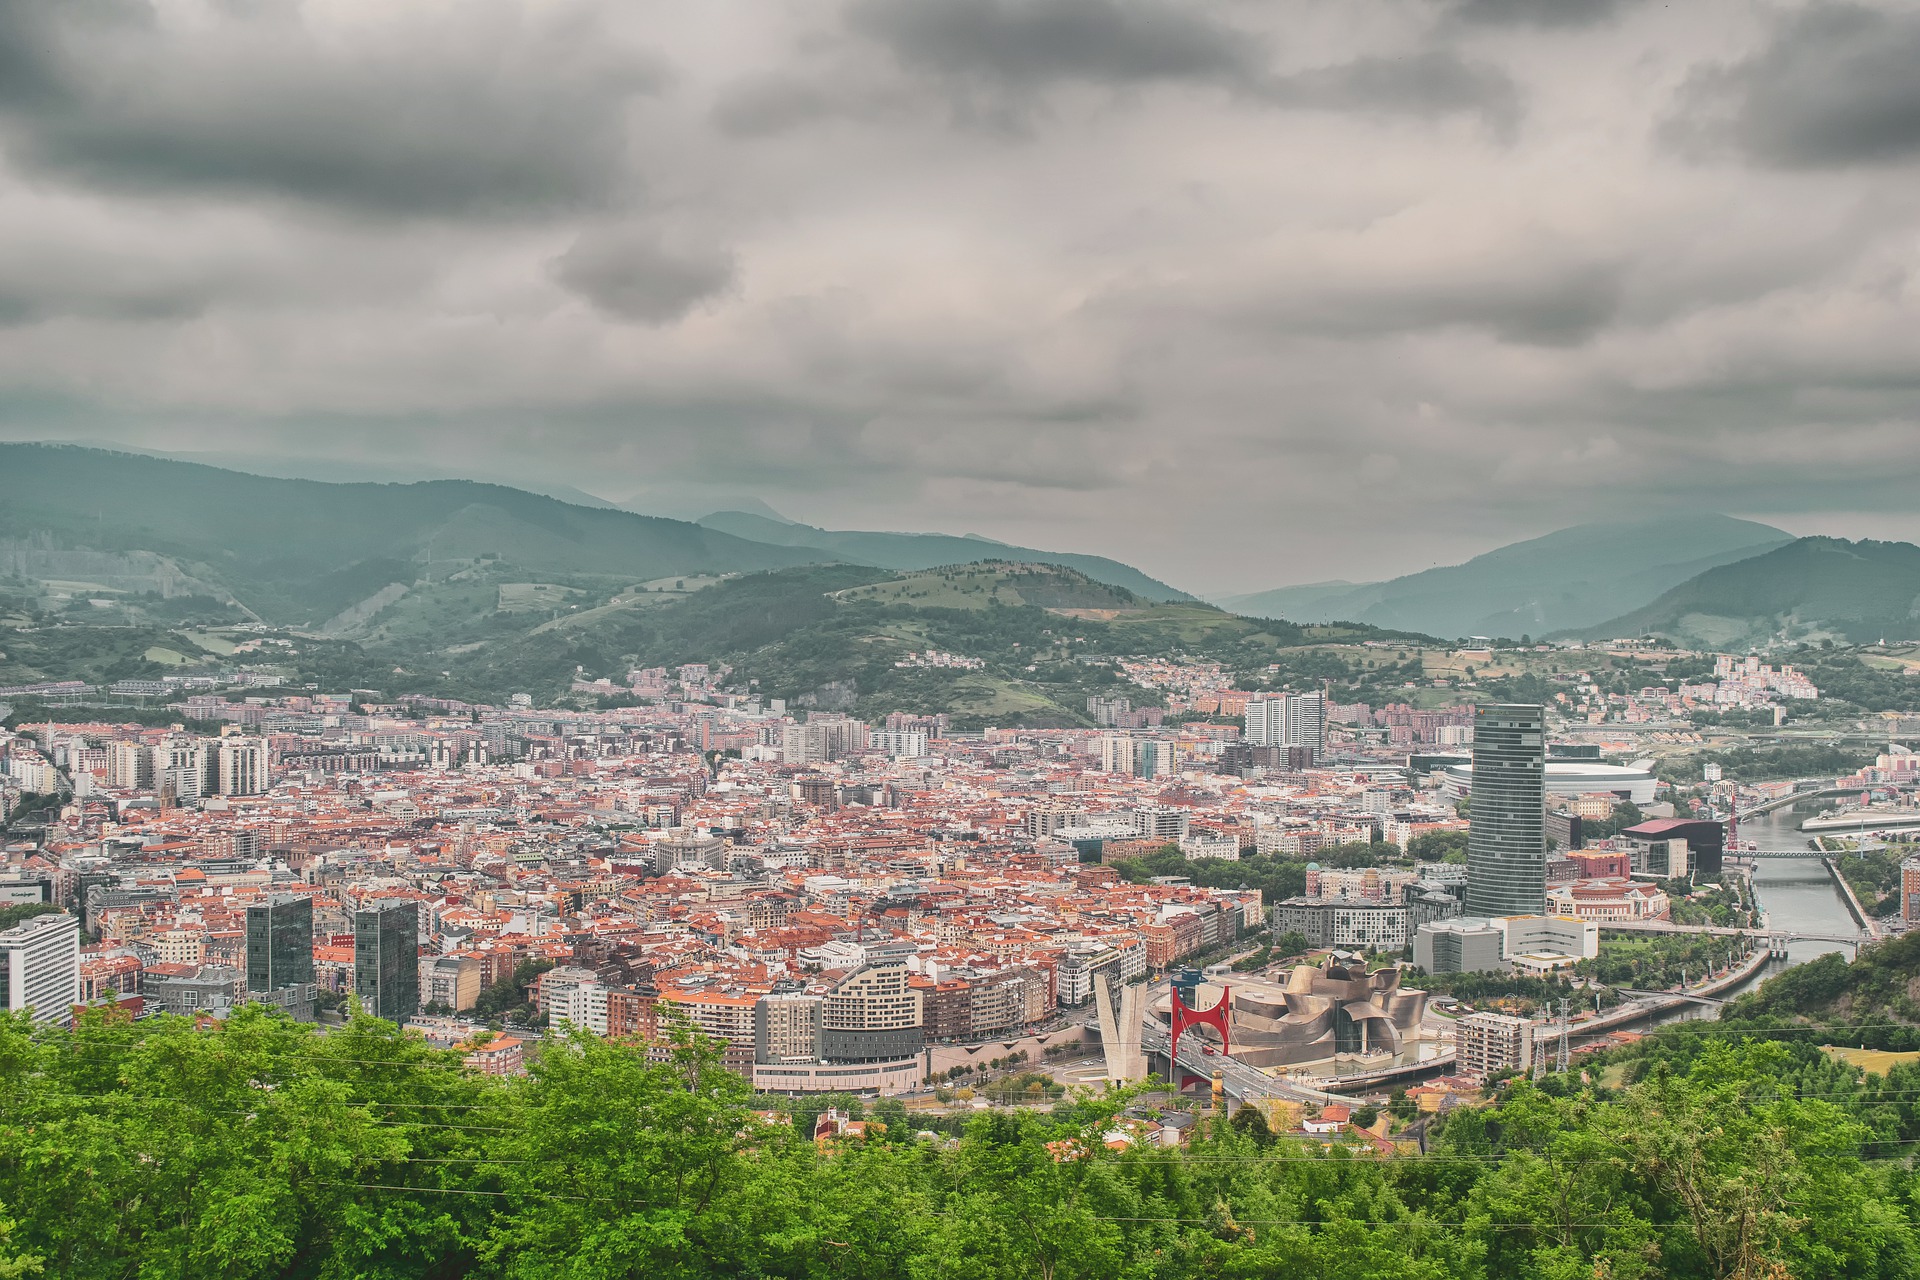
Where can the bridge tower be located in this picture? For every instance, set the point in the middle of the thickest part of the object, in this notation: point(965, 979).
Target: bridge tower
point(1123, 1013)
point(1216, 1017)
point(1777, 946)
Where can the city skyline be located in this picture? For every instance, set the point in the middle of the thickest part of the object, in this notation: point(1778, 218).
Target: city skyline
point(959, 639)
point(1104, 275)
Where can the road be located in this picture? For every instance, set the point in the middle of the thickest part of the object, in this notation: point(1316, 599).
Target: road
point(1241, 1081)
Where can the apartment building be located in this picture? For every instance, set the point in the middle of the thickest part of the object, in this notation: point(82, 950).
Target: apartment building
point(1490, 1042)
point(40, 968)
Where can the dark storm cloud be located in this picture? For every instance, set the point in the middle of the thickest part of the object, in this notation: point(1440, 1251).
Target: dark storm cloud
point(1558, 305)
point(1838, 84)
point(1020, 47)
point(498, 112)
point(1435, 81)
point(1038, 42)
point(635, 274)
point(1187, 285)
point(1538, 13)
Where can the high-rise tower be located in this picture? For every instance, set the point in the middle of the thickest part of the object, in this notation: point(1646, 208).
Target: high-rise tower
point(386, 959)
point(279, 942)
point(40, 968)
point(1506, 846)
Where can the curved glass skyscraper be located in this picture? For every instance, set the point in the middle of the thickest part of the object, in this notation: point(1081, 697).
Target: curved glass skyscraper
point(1507, 844)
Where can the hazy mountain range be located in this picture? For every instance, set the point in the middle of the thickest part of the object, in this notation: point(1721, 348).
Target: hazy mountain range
point(302, 552)
point(908, 551)
point(1568, 580)
point(1810, 589)
point(365, 557)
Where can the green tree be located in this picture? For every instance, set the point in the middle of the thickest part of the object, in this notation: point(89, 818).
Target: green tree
point(1251, 1121)
point(620, 1166)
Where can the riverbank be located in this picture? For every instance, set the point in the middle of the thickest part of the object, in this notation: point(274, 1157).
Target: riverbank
point(1868, 925)
point(1654, 1006)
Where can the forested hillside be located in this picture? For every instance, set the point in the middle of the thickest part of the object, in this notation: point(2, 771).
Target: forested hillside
point(909, 551)
point(1569, 578)
point(301, 551)
point(1813, 588)
point(1038, 639)
point(260, 1149)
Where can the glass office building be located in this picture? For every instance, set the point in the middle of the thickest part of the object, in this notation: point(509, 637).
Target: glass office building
point(279, 943)
point(1507, 844)
point(386, 959)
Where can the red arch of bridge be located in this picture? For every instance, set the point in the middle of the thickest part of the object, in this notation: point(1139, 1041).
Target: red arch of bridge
point(1216, 1017)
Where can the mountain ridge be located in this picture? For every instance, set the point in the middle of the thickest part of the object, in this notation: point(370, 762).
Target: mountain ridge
point(280, 547)
point(1808, 590)
point(1561, 581)
point(909, 552)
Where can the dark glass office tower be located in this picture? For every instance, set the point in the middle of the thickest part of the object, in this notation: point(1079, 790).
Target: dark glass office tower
point(386, 959)
point(279, 943)
point(1507, 845)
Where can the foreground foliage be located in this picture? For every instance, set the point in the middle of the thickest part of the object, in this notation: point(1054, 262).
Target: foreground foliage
point(263, 1149)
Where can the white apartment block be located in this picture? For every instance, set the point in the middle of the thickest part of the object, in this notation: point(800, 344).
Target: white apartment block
point(1490, 1042)
point(40, 967)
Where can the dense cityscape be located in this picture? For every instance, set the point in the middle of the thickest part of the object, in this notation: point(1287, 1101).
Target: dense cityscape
point(842, 907)
point(959, 640)
point(871, 929)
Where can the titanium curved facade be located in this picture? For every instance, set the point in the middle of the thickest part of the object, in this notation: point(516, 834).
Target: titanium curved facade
point(1507, 842)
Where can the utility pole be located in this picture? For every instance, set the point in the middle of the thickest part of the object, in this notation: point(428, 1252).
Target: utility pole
point(1564, 1033)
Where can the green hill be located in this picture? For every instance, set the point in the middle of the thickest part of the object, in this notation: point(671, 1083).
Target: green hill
point(1811, 589)
point(118, 565)
point(1880, 988)
point(1565, 580)
point(1040, 639)
point(298, 552)
point(908, 551)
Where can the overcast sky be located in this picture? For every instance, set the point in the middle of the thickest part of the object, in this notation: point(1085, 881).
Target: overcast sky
point(1245, 294)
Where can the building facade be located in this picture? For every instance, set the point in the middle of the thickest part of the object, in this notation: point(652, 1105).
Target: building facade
point(386, 959)
point(40, 967)
point(1490, 1042)
point(872, 1015)
point(242, 767)
point(279, 942)
point(1506, 843)
point(1288, 720)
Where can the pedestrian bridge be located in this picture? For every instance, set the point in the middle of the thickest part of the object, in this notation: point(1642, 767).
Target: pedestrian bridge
point(1671, 995)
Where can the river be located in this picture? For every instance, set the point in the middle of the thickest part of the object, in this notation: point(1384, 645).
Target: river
point(1799, 896)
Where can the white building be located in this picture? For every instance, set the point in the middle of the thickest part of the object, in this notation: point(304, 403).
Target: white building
point(1534, 946)
point(40, 967)
point(584, 1005)
point(1205, 845)
point(1160, 822)
point(129, 766)
point(242, 767)
point(901, 744)
point(1490, 1042)
point(33, 774)
point(1570, 778)
point(803, 744)
point(1288, 720)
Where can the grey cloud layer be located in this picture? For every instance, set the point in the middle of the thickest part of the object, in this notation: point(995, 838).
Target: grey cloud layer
point(632, 273)
point(1245, 293)
point(1838, 84)
point(498, 110)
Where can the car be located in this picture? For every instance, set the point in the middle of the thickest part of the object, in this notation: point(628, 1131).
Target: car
point(1207, 1049)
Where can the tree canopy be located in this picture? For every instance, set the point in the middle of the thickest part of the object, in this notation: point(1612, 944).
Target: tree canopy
point(261, 1148)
